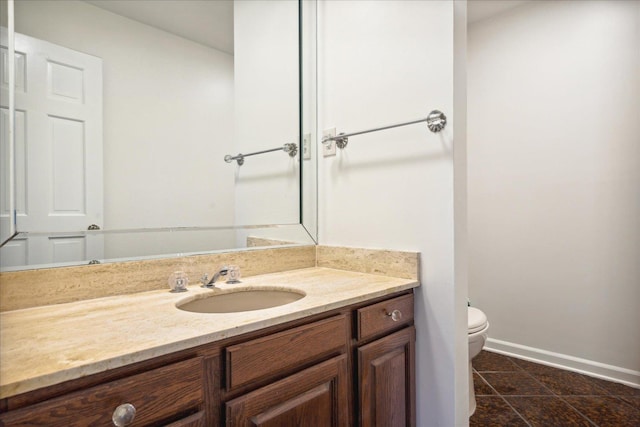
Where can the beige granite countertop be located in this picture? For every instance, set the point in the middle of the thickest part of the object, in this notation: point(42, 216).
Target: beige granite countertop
point(47, 345)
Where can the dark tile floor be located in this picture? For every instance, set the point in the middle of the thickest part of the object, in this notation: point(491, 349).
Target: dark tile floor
point(514, 392)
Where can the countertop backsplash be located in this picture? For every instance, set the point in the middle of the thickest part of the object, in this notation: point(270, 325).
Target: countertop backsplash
point(34, 288)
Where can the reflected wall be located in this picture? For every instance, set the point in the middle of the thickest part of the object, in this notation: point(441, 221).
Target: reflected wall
point(172, 109)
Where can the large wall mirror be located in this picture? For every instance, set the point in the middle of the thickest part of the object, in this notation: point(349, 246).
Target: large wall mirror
point(125, 111)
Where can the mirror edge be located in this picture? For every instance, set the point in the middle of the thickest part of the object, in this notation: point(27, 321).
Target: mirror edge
point(10, 223)
point(308, 42)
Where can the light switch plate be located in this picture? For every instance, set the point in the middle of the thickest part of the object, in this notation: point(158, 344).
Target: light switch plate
point(306, 146)
point(329, 149)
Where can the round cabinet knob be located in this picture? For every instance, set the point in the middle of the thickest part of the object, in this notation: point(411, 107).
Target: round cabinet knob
point(123, 415)
point(395, 315)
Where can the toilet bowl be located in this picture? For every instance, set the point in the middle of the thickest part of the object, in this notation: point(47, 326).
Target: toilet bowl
point(478, 326)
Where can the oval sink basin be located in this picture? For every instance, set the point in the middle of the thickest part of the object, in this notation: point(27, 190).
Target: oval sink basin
point(240, 300)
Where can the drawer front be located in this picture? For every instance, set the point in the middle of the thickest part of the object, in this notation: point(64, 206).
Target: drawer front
point(157, 395)
point(195, 420)
point(271, 355)
point(378, 318)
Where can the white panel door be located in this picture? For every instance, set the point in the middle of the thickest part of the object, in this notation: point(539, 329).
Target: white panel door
point(6, 217)
point(14, 253)
point(59, 184)
point(50, 250)
point(62, 103)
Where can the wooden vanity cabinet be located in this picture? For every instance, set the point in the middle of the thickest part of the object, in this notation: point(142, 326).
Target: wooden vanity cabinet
point(386, 376)
point(378, 356)
point(273, 355)
point(350, 366)
point(195, 420)
point(164, 396)
point(386, 365)
point(317, 396)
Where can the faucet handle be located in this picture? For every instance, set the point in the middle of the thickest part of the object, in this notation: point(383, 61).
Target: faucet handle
point(233, 274)
point(204, 280)
point(178, 281)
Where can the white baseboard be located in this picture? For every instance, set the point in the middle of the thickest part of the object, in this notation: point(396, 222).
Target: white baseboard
point(563, 361)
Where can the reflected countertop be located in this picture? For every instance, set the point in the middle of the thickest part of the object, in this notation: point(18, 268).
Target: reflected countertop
point(47, 345)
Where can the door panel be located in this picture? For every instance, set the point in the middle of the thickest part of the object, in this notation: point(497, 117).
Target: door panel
point(317, 396)
point(14, 252)
point(67, 179)
point(387, 384)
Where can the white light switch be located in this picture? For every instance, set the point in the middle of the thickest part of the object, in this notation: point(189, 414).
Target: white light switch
point(306, 146)
point(329, 149)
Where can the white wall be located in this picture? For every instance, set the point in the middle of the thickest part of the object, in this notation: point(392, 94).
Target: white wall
point(382, 62)
point(266, 80)
point(166, 243)
point(554, 182)
point(168, 115)
point(4, 13)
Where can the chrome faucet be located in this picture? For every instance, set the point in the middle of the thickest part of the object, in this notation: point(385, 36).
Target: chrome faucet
point(206, 283)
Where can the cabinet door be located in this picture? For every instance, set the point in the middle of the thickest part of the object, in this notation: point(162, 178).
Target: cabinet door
point(387, 383)
point(195, 420)
point(317, 396)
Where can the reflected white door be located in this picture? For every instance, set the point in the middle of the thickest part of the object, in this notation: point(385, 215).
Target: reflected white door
point(6, 216)
point(44, 250)
point(58, 149)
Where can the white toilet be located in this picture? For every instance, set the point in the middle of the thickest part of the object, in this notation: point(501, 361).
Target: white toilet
point(478, 326)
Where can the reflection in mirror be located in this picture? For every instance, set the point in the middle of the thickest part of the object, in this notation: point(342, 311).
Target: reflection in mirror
point(133, 105)
point(115, 246)
point(7, 187)
point(308, 97)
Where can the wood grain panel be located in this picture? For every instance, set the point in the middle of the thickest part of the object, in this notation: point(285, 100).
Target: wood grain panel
point(310, 408)
point(317, 396)
point(195, 420)
point(375, 320)
point(386, 369)
point(389, 375)
point(275, 354)
point(157, 395)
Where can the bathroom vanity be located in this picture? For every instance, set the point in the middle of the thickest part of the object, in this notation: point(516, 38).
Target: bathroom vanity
point(343, 355)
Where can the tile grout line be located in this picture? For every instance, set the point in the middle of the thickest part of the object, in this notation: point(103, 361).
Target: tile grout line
point(505, 400)
point(578, 411)
point(619, 397)
point(560, 397)
point(596, 391)
point(609, 394)
point(558, 392)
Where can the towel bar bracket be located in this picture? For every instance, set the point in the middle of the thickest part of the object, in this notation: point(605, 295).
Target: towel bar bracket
point(436, 121)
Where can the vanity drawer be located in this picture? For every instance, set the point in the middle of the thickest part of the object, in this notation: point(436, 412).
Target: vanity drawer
point(282, 352)
point(195, 420)
point(378, 318)
point(158, 395)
